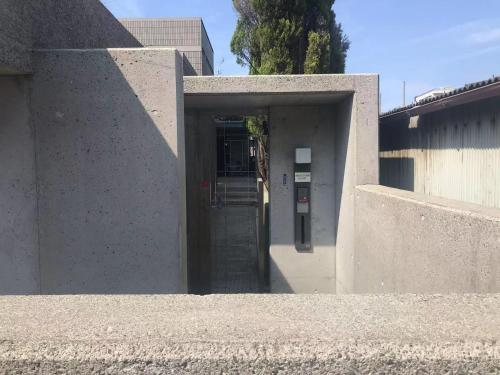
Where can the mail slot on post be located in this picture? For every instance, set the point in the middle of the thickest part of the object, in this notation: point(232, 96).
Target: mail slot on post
point(302, 209)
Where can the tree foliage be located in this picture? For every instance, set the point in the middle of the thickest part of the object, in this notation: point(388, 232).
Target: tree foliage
point(286, 37)
point(318, 53)
point(256, 125)
point(289, 37)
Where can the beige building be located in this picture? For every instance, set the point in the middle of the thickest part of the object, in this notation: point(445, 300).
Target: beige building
point(187, 35)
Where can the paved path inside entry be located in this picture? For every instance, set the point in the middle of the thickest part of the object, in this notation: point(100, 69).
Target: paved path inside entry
point(234, 250)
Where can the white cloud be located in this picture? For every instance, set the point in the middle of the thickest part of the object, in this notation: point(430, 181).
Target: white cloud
point(470, 55)
point(481, 31)
point(484, 36)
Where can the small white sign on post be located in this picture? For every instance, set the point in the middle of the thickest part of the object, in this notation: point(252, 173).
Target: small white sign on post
point(302, 176)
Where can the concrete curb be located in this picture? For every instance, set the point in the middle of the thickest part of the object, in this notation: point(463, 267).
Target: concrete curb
point(250, 334)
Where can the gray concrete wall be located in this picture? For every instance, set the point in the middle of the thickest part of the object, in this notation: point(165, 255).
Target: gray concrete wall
point(18, 214)
point(411, 243)
point(49, 24)
point(111, 173)
point(357, 160)
point(293, 271)
point(263, 334)
point(15, 37)
point(350, 153)
point(453, 153)
point(345, 181)
point(201, 151)
point(77, 24)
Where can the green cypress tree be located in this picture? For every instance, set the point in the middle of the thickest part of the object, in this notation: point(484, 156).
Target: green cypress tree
point(286, 37)
point(289, 37)
point(318, 53)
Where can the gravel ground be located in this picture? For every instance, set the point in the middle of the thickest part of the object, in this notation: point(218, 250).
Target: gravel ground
point(404, 334)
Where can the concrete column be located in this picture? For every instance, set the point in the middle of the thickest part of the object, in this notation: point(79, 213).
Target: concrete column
point(358, 145)
point(18, 216)
point(293, 271)
point(111, 170)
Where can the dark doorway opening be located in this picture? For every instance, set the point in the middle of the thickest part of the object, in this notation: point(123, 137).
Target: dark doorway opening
point(226, 200)
point(234, 254)
point(236, 148)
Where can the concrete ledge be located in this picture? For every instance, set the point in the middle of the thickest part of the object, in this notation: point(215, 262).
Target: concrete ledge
point(413, 243)
point(450, 205)
point(347, 83)
point(258, 334)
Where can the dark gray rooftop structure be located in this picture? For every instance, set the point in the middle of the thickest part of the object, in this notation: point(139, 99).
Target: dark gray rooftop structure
point(469, 93)
point(188, 35)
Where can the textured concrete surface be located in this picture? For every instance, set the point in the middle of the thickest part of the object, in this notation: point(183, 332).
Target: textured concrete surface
point(354, 148)
point(314, 334)
point(15, 37)
point(356, 165)
point(50, 24)
point(18, 216)
point(234, 250)
point(79, 24)
point(409, 242)
point(345, 180)
point(346, 83)
point(293, 271)
point(111, 170)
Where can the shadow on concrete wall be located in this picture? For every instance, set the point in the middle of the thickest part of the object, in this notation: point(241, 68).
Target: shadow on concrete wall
point(76, 24)
point(18, 234)
point(278, 281)
point(55, 24)
point(319, 127)
point(398, 173)
point(108, 179)
point(342, 137)
point(188, 67)
point(200, 155)
point(472, 126)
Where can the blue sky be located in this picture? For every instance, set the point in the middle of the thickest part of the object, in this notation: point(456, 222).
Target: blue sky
point(427, 43)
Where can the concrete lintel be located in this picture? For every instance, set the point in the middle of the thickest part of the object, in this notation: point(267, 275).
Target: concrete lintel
point(220, 334)
point(471, 209)
point(275, 84)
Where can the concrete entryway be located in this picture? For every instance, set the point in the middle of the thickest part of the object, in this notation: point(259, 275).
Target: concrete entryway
point(234, 241)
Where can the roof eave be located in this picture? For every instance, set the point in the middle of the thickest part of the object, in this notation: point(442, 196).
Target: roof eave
point(465, 97)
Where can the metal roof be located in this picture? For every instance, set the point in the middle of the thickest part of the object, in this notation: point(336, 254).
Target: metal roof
point(462, 90)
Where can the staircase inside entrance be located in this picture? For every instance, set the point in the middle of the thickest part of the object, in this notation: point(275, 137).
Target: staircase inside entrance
point(234, 237)
point(236, 191)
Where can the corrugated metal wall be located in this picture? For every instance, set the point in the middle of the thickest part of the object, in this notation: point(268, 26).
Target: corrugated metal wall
point(454, 153)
